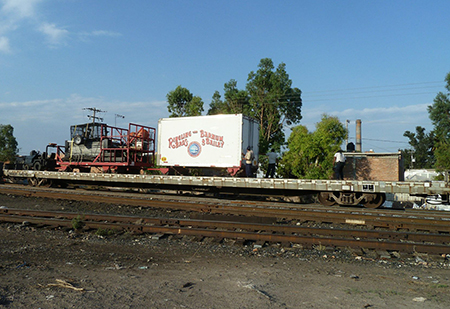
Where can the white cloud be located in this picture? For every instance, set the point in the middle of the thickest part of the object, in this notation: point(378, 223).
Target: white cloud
point(19, 8)
point(4, 45)
point(12, 13)
point(15, 14)
point(55, 35)
point(382, 127)
point(375, 114)
point(84, 36)
point(393, 110)
point(50, 120)
point(400, 115)
point(50, 111)
point(35, 103)
point(105, 33)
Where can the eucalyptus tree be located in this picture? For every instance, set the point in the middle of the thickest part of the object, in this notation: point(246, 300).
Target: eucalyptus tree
point(273, 102)
point(181, 103)
point(268, 97)
point(235, 100)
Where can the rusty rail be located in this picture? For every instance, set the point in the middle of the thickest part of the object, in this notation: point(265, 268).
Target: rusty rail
point(308, 237)
point(423, 221)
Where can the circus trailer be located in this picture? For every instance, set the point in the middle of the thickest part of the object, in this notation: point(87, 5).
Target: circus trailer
point(211, 143)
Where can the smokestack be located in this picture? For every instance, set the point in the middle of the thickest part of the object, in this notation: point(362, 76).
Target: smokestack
point(346, 128)
point(358, 135)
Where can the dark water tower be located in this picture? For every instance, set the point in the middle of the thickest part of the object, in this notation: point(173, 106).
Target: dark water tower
point(350, 147)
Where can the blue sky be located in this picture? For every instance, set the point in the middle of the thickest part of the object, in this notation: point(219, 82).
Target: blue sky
point(379, 61)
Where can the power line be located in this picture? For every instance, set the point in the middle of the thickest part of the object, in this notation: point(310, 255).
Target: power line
point(383, 140)
point(346, 94)
point(367, 97)
point(350, 91)
point(358, 92)
point(369, 145)
point(379, 140)
point(377, 87)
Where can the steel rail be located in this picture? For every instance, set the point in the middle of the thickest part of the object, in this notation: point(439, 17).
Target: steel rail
point(386, 240)
point(424, 221)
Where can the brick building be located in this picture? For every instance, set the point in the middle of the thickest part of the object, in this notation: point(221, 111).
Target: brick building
point(374, 166)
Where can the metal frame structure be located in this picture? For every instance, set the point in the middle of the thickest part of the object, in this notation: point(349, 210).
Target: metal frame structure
point(118, 149)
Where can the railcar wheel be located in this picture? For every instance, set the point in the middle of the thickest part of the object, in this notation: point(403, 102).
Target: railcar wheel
point(376, 202)
point(32, 181)
point(324, 199)
point(46, 183)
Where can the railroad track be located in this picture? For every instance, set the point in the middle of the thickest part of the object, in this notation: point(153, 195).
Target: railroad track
point(353, 228)
point(408, 220)
point(253, 232)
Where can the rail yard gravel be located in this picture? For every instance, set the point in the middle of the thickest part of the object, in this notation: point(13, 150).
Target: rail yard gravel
point(48, 268)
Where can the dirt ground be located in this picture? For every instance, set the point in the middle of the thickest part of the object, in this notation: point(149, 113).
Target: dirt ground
point(44, 268)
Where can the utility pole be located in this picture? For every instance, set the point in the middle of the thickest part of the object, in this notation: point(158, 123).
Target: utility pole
point(117, 116)
point(94, 110)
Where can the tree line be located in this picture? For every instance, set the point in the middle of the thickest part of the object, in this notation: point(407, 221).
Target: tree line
point(432, 150)
point(270, 98)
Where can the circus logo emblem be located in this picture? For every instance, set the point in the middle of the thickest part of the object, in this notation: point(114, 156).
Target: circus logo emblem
point(194, 149)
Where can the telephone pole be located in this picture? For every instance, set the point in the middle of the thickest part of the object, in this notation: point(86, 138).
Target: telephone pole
point(117, 116)
point(94, 111)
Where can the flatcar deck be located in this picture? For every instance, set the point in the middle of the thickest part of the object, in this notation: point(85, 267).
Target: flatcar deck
point(233, 184)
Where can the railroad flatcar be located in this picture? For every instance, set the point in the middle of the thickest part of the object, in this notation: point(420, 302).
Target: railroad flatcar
point(100, 154)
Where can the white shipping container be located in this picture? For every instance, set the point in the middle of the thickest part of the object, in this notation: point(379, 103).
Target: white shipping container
point(206, 141)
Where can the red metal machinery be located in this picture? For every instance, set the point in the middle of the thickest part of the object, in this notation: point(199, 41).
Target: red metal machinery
point(97, 147)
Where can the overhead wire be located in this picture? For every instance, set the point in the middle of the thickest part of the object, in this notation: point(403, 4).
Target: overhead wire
point(377, 87)
point(355, 93)
point(377, 91)
point(373, 96)
point(383, 140)
point(340, 94)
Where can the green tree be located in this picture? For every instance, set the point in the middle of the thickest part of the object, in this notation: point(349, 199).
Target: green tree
point(439, 113)
point(181, 103)
point(217, 106)
point(310, 154)
point(235, 102)
point(421, 153)
point(8, 143)
point(272, 101)
point(269, 97)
